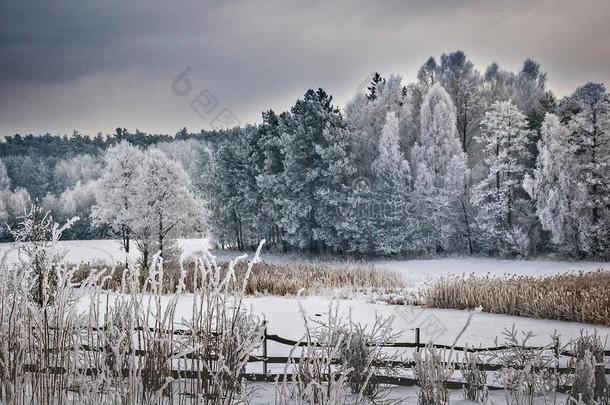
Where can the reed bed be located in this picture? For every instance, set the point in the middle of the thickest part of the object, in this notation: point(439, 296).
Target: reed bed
point(272, 279)
point(573, 296)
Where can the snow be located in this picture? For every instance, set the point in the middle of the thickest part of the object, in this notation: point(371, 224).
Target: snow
point(283, 313)
point(417, 272)
point(102, 251)
point(443, 326)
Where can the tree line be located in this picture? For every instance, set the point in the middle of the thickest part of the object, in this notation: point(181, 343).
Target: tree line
point(457, 161)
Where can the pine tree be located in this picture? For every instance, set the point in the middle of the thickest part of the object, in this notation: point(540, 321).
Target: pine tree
point(269, 179)
point(227, 184)
point(504, 210)
point(317, 169)
point(376, 81)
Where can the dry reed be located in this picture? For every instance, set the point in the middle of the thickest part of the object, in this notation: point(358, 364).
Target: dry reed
point(274, 279)
point(573, 296)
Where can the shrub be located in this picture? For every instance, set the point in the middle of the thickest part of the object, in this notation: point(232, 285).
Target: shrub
point(526, 372)
point(362, 356)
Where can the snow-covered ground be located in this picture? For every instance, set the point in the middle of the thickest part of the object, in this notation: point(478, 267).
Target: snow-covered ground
point(101, 251)
point(438, 325)
point(414, 272)
point(443, 326)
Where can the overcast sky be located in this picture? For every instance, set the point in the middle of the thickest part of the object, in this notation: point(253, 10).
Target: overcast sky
point(94, 65)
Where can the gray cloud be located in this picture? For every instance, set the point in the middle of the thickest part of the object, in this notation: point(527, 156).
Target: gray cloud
point(95, 65)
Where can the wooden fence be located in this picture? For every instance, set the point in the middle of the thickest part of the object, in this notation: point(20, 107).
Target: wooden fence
point(417, 345)
point(266, 360)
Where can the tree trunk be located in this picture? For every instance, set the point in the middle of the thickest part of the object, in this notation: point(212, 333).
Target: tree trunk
point(161, 235)
point(467, 223)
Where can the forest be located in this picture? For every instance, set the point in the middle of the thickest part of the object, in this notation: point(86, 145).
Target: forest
point(458, 161)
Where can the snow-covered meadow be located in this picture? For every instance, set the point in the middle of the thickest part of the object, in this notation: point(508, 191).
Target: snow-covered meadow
point(414, 272)
point(284, 315)
point(444, 324)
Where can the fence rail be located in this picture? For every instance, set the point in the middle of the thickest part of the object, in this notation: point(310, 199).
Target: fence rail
point(266, 360)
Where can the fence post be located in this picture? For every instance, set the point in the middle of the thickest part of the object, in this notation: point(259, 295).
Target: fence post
point(417, 339)
point(265, 348)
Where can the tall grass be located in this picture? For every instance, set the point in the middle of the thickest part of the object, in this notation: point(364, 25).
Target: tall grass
point(581, 297)
point(63, 342)
point(272, 279)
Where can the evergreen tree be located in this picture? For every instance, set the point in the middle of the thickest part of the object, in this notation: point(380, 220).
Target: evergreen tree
point(269, 178)
point(227, 184)
point(504, 210)
point(376, 81)
point(317, 169)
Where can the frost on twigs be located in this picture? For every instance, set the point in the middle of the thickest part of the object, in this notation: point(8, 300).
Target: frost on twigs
point(63, 341)
point(432, 373)
point(337, 361)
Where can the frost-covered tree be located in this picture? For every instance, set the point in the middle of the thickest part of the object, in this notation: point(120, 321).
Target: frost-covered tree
point(503, 208)
point(390, 192)
point(13, 206)
point(365, 119)
point(463, 82)
point(317, 169)
point(427, 74)
point(164, 205)
point(76, 201)
point(233, 189)
point(5, 180)
point(553, 186)
point(116, 191)
point(438, 143)
point(269, 177)
point(529, 90)
point(194, 155)
point(373, 87)
point(440, 171)
point(77, 169)
point(498, 84)
point(590, 137)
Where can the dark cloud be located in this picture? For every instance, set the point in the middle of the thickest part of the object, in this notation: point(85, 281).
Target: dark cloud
point(95, 65)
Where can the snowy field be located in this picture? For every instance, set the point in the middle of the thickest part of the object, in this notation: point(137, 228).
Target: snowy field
point(415, 272)
point(441, 326)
